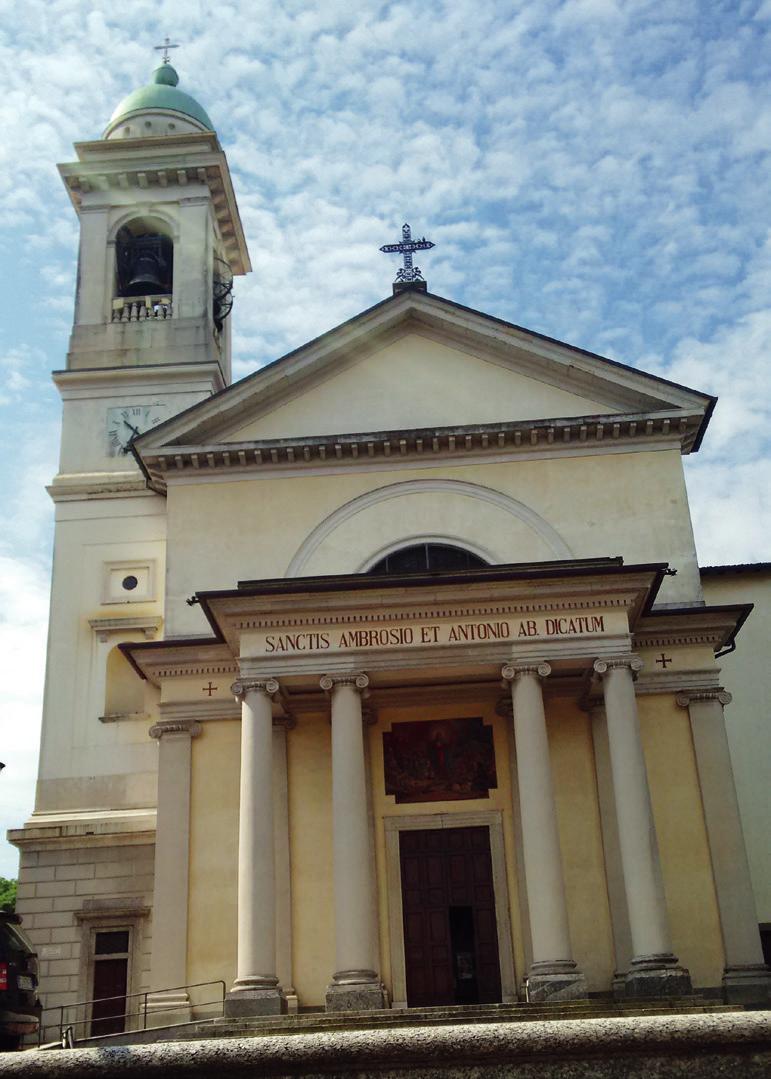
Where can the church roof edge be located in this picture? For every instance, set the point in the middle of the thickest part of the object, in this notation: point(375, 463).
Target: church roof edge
point(411, 299)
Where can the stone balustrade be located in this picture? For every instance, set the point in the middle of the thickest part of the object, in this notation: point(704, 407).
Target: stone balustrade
point(141, 308)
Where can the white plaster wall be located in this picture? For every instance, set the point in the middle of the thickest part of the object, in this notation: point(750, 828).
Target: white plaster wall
point(84, 763)
point(628, 504)
point(748, 719)
point(84, 443)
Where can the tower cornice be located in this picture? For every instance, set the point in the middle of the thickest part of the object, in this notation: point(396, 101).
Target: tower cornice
point(156, 164)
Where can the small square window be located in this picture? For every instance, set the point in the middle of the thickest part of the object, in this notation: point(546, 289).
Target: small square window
point(128, 582)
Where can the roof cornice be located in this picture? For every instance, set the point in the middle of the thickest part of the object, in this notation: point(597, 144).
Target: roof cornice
point(625, 391)
point(424, 446)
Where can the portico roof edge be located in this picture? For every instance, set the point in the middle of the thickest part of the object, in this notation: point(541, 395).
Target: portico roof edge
point(607, 566)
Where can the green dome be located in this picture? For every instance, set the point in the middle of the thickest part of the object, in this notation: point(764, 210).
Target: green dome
point(161, 93)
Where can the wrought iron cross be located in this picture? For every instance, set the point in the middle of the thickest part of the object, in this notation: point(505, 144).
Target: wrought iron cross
point(408, 272)
point(165, 49)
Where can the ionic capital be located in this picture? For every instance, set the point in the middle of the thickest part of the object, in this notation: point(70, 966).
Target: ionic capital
point(692, 696)
point(359, 681)
point(240, 688)
point(612, 663)
point(510, 672)
point(176, 726)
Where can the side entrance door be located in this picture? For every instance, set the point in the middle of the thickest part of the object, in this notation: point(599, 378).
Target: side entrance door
point(450, 930)
point(108, 1011)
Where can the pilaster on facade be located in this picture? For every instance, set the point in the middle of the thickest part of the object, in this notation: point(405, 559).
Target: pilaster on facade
point(746, 978)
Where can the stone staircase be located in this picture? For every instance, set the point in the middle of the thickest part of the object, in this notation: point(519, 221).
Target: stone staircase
point(321, 1022)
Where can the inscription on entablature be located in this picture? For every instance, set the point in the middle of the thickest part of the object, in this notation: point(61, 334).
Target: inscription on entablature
point(417, 634)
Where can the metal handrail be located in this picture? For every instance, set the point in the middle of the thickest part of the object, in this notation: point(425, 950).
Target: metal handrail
point(67, 1030)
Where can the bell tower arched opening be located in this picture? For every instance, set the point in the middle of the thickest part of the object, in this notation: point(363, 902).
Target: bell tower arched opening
point(144, 259)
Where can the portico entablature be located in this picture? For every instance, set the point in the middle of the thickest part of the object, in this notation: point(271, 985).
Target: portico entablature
point(433, 629)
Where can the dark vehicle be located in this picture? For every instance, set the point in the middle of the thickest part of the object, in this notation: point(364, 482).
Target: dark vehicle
point(19, 1006)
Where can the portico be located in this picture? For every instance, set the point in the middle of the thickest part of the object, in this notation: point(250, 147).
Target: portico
point(352, 662)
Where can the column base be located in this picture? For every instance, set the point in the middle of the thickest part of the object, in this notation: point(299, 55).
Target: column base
point(657, 976)
point(166, 1008)
point(555, 981)
point(255, 996)
point(747, 985)
point(618, 985)
point(356, 991)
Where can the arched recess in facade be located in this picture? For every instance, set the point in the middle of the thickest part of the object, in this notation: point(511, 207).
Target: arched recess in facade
point(494, 525)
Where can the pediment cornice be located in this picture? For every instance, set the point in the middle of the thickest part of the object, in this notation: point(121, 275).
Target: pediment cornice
point(423, 446)
point(638, 404)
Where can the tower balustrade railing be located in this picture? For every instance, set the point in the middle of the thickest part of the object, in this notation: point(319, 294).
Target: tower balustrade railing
point(141, 308)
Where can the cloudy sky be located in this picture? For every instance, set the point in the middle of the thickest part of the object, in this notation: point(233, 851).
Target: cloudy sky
point(596, 170)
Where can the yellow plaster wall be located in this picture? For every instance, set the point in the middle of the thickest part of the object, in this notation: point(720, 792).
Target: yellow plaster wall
point(580, 836)
point(676, 804)
point(212, 902)
point(583, 859)
point(416, 382)
point(384, 805)
point(682, 837)
point(310, 821)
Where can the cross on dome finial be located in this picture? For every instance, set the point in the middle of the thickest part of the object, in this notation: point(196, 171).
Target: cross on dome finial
point(165, 49)
point(408, 274)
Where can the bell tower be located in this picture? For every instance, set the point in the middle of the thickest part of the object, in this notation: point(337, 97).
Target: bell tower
point(160, 243)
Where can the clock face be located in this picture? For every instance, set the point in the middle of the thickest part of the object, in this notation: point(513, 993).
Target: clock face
point(126, 422)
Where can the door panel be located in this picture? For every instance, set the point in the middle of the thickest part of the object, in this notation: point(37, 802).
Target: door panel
point(108, 1016)
point(450, 931)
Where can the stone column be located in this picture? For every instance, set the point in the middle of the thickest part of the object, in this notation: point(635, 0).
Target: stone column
point(746, 980)
point(654, 970)
point(283, 862)
point(553, 974)
point(614, 874)
point(169, 1001)
point(356, 983)
point(256, 990)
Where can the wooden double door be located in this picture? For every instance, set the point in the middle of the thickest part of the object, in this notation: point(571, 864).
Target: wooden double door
point(450, 930)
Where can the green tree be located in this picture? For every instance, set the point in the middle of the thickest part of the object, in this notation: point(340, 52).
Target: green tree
point(7, 894)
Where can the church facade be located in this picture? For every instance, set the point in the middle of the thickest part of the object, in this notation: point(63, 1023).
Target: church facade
point(383, 677)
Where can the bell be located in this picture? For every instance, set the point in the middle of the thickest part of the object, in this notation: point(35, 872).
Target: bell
point(144, 265)
point(145, 279)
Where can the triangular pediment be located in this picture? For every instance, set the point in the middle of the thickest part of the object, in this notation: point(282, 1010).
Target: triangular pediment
point(417, 361)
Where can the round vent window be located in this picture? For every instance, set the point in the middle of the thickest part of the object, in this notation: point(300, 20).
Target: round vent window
point(130, 582)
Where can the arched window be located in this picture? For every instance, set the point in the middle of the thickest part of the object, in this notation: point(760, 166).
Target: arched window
point(426, 558)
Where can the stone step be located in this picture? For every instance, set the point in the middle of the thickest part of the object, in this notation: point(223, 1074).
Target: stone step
point(320, 1022)
point(331, 1023)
